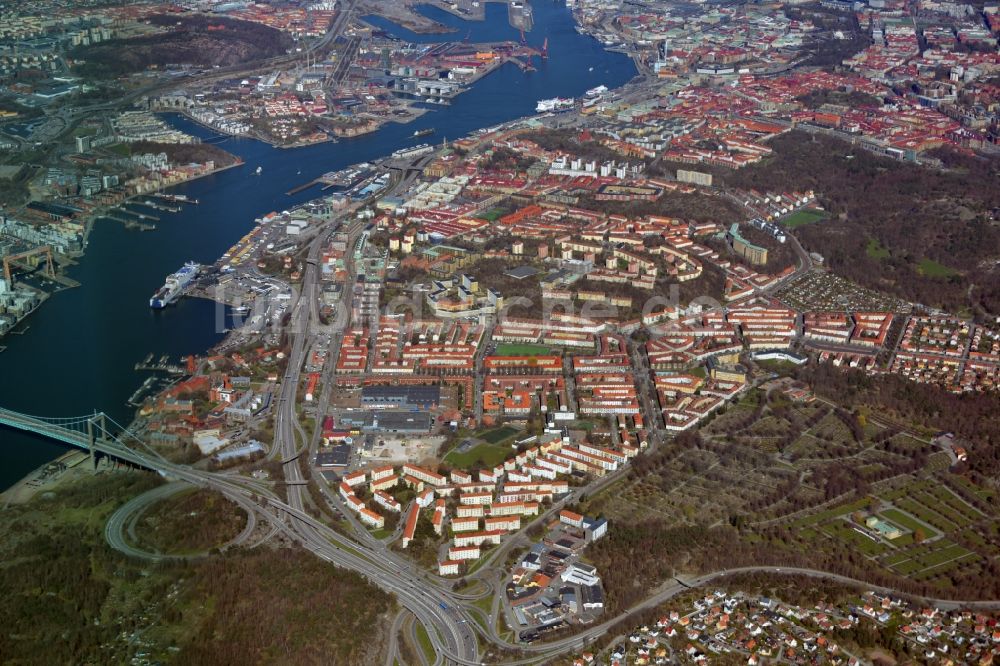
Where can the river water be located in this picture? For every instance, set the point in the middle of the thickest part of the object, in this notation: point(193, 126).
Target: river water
point(79, 352)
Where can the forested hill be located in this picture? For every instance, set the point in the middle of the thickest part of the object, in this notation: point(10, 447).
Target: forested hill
point(930, 236)
point(197, 40)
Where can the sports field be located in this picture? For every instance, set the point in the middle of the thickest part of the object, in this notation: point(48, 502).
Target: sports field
point(803, 216)
point(510, 349)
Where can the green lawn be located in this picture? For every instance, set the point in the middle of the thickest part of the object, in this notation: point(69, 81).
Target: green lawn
point(903, 520)
point(947, 554)
point(931, 268)
point(510, 349)
point(803, 216)
point(875, 250)
point(122, 149)
point(919, 508)
point(841, 530)
point(485, 455)
point(895, 559)
point(497, 435)
point(491, 215)
point(983, 493)
point(777, 367)
point(425, 642)
point(908, 567)
point(949, 498)
point(840, 510)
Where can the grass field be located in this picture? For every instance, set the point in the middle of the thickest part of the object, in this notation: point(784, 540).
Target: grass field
point(803, 216)
point(511, 349)
point(122, 149)
point(425, 643)
point(492, 451)
point(875, 250)
point(498, 434)
point(486, 455)
point(921, 511)
point(929, 560)
point(491, 215)
point(839, 510)
point(946, 554)
point(983, 493)
point(931, 268)
point(921, 504)
point(899, 518)
point(841, 530)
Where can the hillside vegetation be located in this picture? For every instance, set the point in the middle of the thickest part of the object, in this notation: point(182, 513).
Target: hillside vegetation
point(68, 598)
point(203, 41)
point(185, 153)
point(911, 213)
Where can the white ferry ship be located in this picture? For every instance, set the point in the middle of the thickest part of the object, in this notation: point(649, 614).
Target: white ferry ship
point(554, 104)
point(174, 285)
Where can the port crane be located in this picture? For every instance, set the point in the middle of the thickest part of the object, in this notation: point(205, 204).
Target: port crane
point(20, 258)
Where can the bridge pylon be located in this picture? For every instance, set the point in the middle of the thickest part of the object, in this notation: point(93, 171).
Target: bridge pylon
point(96, 428)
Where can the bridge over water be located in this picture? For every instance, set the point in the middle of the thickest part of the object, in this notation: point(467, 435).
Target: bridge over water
point(95, 433)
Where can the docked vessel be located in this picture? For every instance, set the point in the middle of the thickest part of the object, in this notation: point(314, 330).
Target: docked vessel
point(424, 132)
point(175, 198)
point(554, 104)
point(174, 285)
point(419, 149)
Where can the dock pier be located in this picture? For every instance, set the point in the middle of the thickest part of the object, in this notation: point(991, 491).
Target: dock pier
point(157, 206)
point(132, 224)
point(174, 198)
point(300, 188)
point(162, 365)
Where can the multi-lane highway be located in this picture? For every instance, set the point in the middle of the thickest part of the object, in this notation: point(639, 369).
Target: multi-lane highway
point(448, 625)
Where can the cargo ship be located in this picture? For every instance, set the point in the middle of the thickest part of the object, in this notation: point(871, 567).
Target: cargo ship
point(424, 132)
point(554, 104)
point(174, 285)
